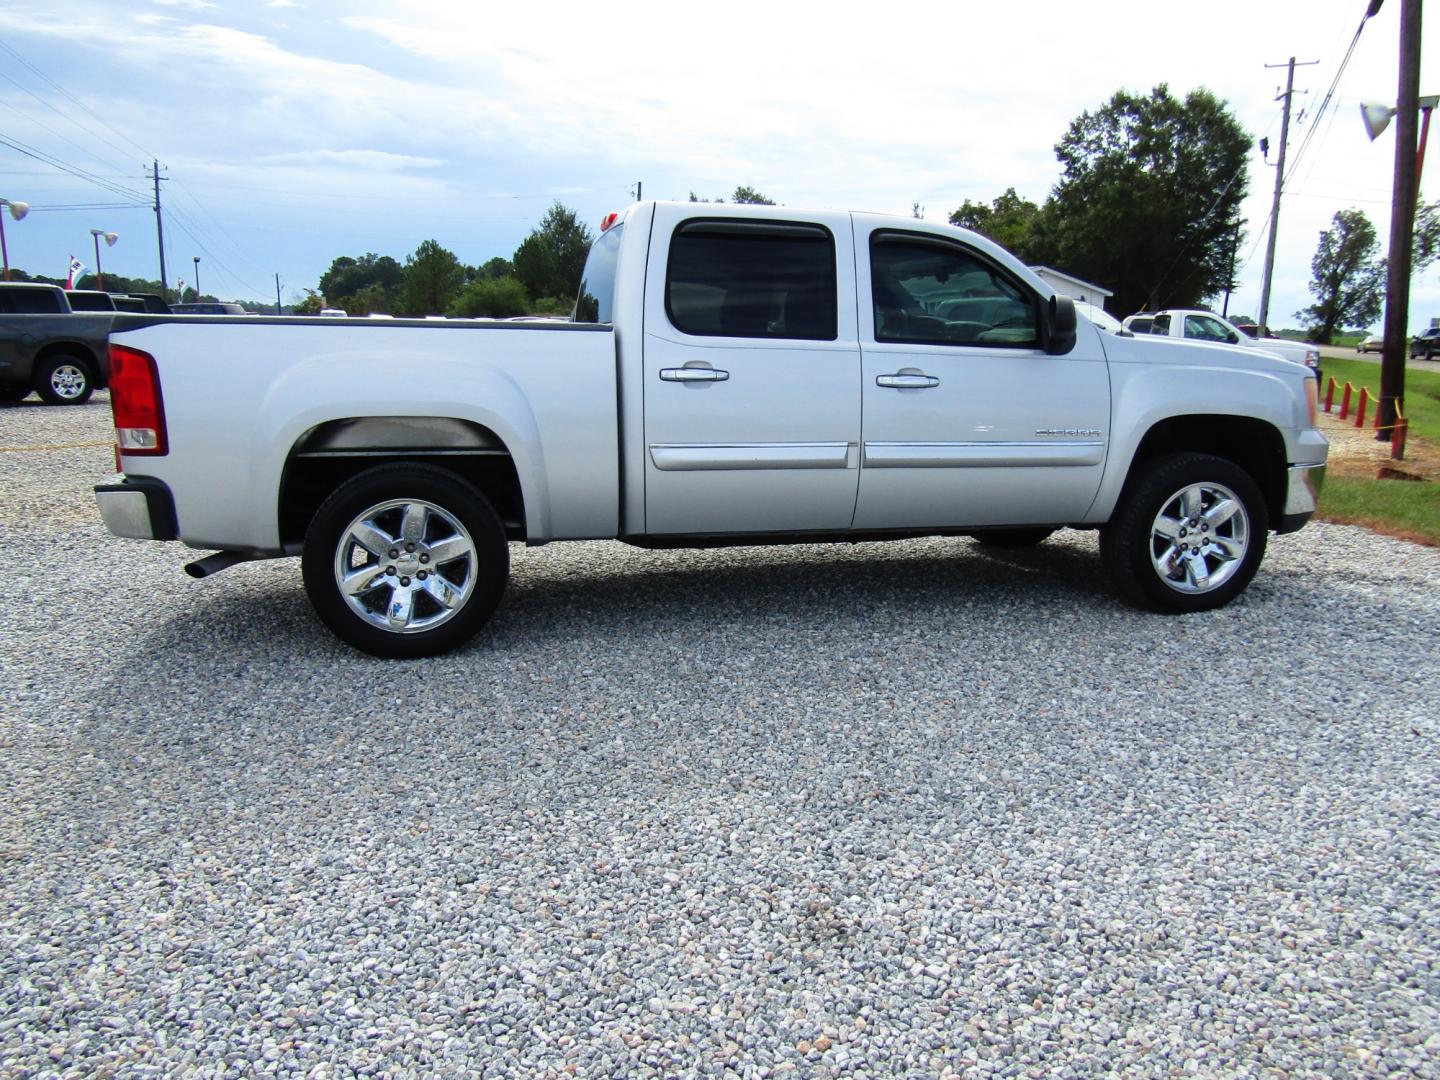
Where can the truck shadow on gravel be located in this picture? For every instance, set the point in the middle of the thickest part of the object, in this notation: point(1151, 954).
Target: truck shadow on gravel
point(565, 594)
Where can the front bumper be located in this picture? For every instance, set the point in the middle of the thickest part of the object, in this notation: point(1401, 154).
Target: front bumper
point(139, 507)
point(1302, 496)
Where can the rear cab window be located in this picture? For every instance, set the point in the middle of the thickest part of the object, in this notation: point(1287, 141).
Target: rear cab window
point(30, 301)
point(729, 277)
point(596, 300)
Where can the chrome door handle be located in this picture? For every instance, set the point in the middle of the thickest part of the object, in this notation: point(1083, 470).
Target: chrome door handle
point(693, 374)
point(907, 382)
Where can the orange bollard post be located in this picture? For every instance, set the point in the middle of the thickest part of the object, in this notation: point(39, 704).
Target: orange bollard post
point(1360, 409)
point(1345, 402)
point(1397, 439)
point(1330, 393)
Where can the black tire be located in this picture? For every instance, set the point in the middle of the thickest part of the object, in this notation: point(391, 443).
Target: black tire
point(1014, 538)
point(1137, 552)
point(14, 393)
point(449, 516)
point(64, 380)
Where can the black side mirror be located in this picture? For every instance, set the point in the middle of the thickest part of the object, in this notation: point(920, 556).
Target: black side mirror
point(1060, 325)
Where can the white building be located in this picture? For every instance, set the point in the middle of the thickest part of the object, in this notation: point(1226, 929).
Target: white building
point(1082, 292)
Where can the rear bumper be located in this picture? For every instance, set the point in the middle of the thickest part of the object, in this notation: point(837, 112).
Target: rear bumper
point(140, 507)
point(1302, 496)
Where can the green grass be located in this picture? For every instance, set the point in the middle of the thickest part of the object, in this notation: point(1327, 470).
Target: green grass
point(1398, 507)
point(1395, 507)
point(1422, 392)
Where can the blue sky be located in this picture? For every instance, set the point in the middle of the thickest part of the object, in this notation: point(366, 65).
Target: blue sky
point(295, 131)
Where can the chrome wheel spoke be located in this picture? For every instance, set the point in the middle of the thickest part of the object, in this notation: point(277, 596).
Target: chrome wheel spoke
point(1221, 512)
point(412, 527)
point(446, 594)
point(1192, 501)
point(1166, 564)
point(401, 607)
point(454, 547)
point(372, 538)
point(1226, 548)
point(362, 580)
point(1197, 571)
point(1167, 527)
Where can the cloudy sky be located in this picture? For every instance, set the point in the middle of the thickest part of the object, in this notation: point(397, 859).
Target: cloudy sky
point(293, 131)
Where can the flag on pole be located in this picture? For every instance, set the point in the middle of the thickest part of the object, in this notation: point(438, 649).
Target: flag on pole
point(180, 289)
point(76, 269)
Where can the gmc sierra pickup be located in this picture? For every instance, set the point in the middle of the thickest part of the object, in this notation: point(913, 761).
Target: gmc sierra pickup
point(733, 374)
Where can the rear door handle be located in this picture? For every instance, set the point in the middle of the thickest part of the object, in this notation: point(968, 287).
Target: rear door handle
point(907, 382)
point(693, 374)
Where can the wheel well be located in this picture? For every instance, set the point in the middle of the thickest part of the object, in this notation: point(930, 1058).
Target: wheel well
point(1254, 445)
point(76, 349)
point(328, 455)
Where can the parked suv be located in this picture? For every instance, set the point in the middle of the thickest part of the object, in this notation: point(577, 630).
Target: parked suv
point(1425, 345)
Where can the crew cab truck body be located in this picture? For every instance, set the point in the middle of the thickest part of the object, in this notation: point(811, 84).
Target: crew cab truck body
point(47, 348)
point(735, 375)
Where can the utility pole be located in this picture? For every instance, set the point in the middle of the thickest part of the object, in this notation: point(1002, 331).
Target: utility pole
point(160, 228)
point(1264, 328)
point(639, 190)
point(277, 295)
point(1402, 223)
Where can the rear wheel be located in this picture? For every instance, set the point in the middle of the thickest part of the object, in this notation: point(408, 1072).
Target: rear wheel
point(405, 561)
point(64, 380)
point(1188, 535)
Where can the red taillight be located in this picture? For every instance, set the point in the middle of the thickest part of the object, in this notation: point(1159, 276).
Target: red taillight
point(609, 220)
point(135, 402)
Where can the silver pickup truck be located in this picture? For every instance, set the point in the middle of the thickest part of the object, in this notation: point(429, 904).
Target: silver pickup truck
point(733, 375)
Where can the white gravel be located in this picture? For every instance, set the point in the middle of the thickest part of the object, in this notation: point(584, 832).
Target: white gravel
point(909, 810)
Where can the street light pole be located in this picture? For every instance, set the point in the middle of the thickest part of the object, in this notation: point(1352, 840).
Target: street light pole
point(17, 211)
point(110, 239)
point(197, 278)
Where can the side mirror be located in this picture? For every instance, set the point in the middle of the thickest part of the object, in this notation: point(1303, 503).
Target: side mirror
point(1060, 325)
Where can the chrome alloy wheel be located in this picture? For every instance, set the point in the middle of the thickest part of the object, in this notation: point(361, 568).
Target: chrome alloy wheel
point(68, 381)
point(1199, 538)
point(405, 565)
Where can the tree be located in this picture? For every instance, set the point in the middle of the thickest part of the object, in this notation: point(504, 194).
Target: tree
point(376, 276)
point(750, 195)
point(491, 298)
point(1149, 197)
point(430, 281)
point(1011, 221)
point(1348, 277)
point(497, 267)
point(1427, 236)
point(310, 305)
point(550, 260)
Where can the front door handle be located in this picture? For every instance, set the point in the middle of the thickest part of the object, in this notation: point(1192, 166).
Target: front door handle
point(907, 382)
point(693, 374)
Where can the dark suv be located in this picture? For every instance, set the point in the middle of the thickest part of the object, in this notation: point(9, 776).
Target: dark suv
point(1426, 344)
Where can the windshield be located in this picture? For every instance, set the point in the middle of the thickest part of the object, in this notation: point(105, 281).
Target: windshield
point(596, 302)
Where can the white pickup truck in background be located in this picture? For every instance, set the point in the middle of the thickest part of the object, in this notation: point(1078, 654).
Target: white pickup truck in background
point(734, 374)
point(1196, 325)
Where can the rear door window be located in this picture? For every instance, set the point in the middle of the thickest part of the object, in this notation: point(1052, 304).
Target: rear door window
point(754, 279)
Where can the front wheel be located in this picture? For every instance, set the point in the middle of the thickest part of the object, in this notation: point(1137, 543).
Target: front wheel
point(1188, 534)
point(405, 561)
point(64, 380)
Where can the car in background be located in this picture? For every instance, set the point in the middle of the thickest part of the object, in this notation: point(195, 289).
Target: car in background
point(1373, 343)
point(1426, 344)
point(208, 307)
point(89, 300)
point(152, 304)
point(49, 349)
point(1100, 317)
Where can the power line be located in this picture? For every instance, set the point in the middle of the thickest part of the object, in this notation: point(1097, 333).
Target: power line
point(78, 103)
point(64, 166)
point(52, 131)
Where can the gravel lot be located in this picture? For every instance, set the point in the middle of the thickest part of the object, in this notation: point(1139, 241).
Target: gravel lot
point(886, 810)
